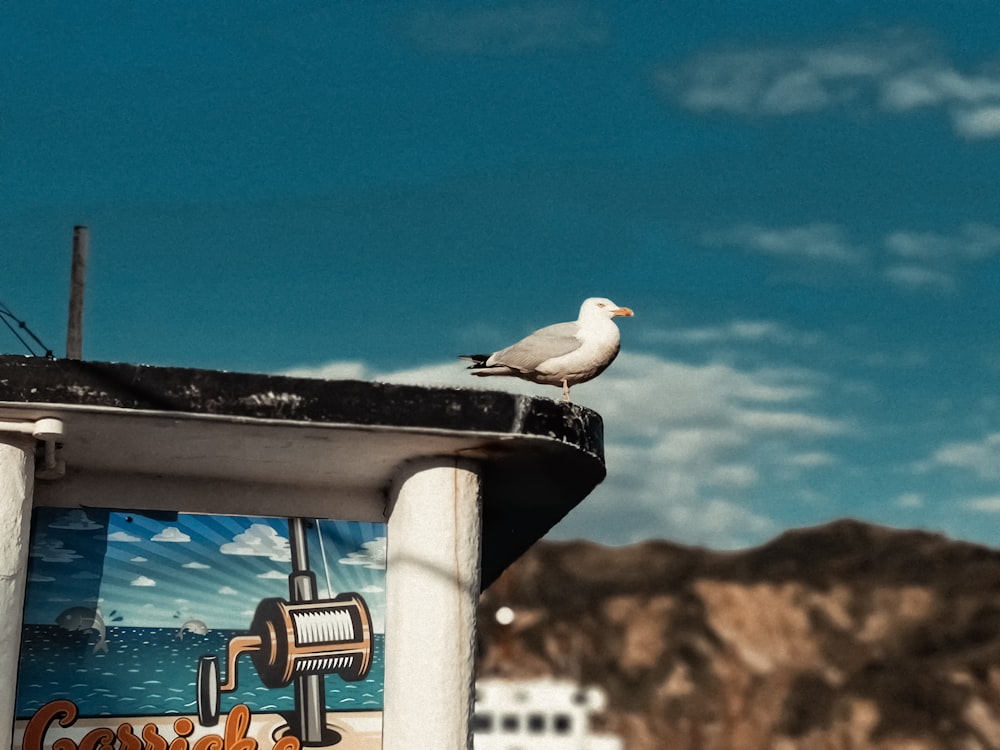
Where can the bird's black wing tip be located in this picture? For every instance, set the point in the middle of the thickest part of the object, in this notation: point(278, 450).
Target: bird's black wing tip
point(477, 360)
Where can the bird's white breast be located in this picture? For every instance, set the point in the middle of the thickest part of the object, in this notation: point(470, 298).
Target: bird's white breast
point(600, 341)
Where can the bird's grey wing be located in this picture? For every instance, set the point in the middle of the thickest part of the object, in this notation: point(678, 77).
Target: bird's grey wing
point(528, 353)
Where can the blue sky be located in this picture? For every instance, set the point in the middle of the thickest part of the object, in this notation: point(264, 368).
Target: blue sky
point(798, 201)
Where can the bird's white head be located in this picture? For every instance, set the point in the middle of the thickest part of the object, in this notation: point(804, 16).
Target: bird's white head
point(602, 307)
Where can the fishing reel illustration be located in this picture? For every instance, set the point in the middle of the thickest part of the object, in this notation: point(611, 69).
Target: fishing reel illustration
point(288, 641)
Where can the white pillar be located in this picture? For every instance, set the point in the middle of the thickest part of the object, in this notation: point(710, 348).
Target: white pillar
point(17, 465)
point(432, 582)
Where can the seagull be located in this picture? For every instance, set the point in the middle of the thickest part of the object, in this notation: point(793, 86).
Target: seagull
point(562, 354)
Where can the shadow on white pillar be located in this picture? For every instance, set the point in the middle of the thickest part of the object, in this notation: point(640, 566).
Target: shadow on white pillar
point(432, 581)
point(17, 465)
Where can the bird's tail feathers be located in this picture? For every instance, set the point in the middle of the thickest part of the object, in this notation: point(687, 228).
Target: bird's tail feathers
point(477, 360)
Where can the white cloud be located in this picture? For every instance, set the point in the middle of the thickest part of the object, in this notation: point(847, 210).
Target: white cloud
point(720, 523)
point(912, 260)
point(273, 575)
point(918, 245)
point(51, 550)
point(931, 260)
point(910, 500)
point(733, 476)
point(787, 422)
point(123, 536)
point(143, 581)
point(171, 534)
point(935, 84)
point(690, 448)
point(195, 566)
point(737, 331)
point(228, 591)
point(259, 540)
point(895, 72)
point(811, 242)
point(974, 241)
point(981, 457)
point(917, 278)
point(75, 520)
point(812, 459)
point(987, 504)
point(372, 555)
point(978, 122)
point(784, 80)
point(138, 559)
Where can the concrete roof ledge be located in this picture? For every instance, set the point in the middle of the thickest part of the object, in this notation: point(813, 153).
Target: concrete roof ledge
point(539, 458)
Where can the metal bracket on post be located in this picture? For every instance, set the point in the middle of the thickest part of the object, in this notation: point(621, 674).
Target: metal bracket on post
point(47, 430)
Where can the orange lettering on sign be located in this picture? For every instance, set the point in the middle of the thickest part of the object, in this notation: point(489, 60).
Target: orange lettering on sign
point(65, 713)
point(237, 725)
point(98, 739)
point(127, 738)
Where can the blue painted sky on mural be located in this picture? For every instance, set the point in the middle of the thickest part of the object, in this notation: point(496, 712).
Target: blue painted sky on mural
point(798, 200)
point(208, 568)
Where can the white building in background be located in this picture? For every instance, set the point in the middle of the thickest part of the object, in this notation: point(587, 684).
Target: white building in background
point(540, 714)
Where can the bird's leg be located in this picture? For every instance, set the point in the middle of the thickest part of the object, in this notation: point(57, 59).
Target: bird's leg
point(565, 391)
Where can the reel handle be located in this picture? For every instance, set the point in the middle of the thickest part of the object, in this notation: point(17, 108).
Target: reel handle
point(208, 683)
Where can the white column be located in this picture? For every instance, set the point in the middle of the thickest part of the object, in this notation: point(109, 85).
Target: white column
point(17, 466)
point(432, 581)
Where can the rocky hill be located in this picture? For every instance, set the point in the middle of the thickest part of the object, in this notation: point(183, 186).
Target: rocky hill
point(844, 636)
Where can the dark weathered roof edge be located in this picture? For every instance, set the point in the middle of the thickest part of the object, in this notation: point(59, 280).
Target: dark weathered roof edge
point(262, 396)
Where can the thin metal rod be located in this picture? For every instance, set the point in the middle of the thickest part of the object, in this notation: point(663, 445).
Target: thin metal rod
point(78, 277)
point(6, 313)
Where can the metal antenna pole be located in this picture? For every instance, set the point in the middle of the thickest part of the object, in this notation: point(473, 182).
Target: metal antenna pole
point(78, 275)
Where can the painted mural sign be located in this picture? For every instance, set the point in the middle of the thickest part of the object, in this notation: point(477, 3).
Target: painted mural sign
point(174, 631)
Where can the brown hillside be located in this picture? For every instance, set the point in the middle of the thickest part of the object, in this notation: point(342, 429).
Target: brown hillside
point(835, 637)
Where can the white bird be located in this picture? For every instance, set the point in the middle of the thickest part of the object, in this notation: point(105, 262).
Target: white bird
point(562, 354)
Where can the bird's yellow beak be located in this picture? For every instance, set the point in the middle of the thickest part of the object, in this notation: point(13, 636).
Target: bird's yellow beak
point(625, 312)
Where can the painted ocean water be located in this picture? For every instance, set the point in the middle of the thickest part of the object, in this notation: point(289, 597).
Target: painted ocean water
point(151, 672)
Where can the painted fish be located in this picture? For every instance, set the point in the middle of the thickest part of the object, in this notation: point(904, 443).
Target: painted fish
point(85, 618)
point(192, 626)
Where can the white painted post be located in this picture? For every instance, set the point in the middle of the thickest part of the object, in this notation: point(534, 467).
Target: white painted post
point(432, 582)
point(17, 466)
